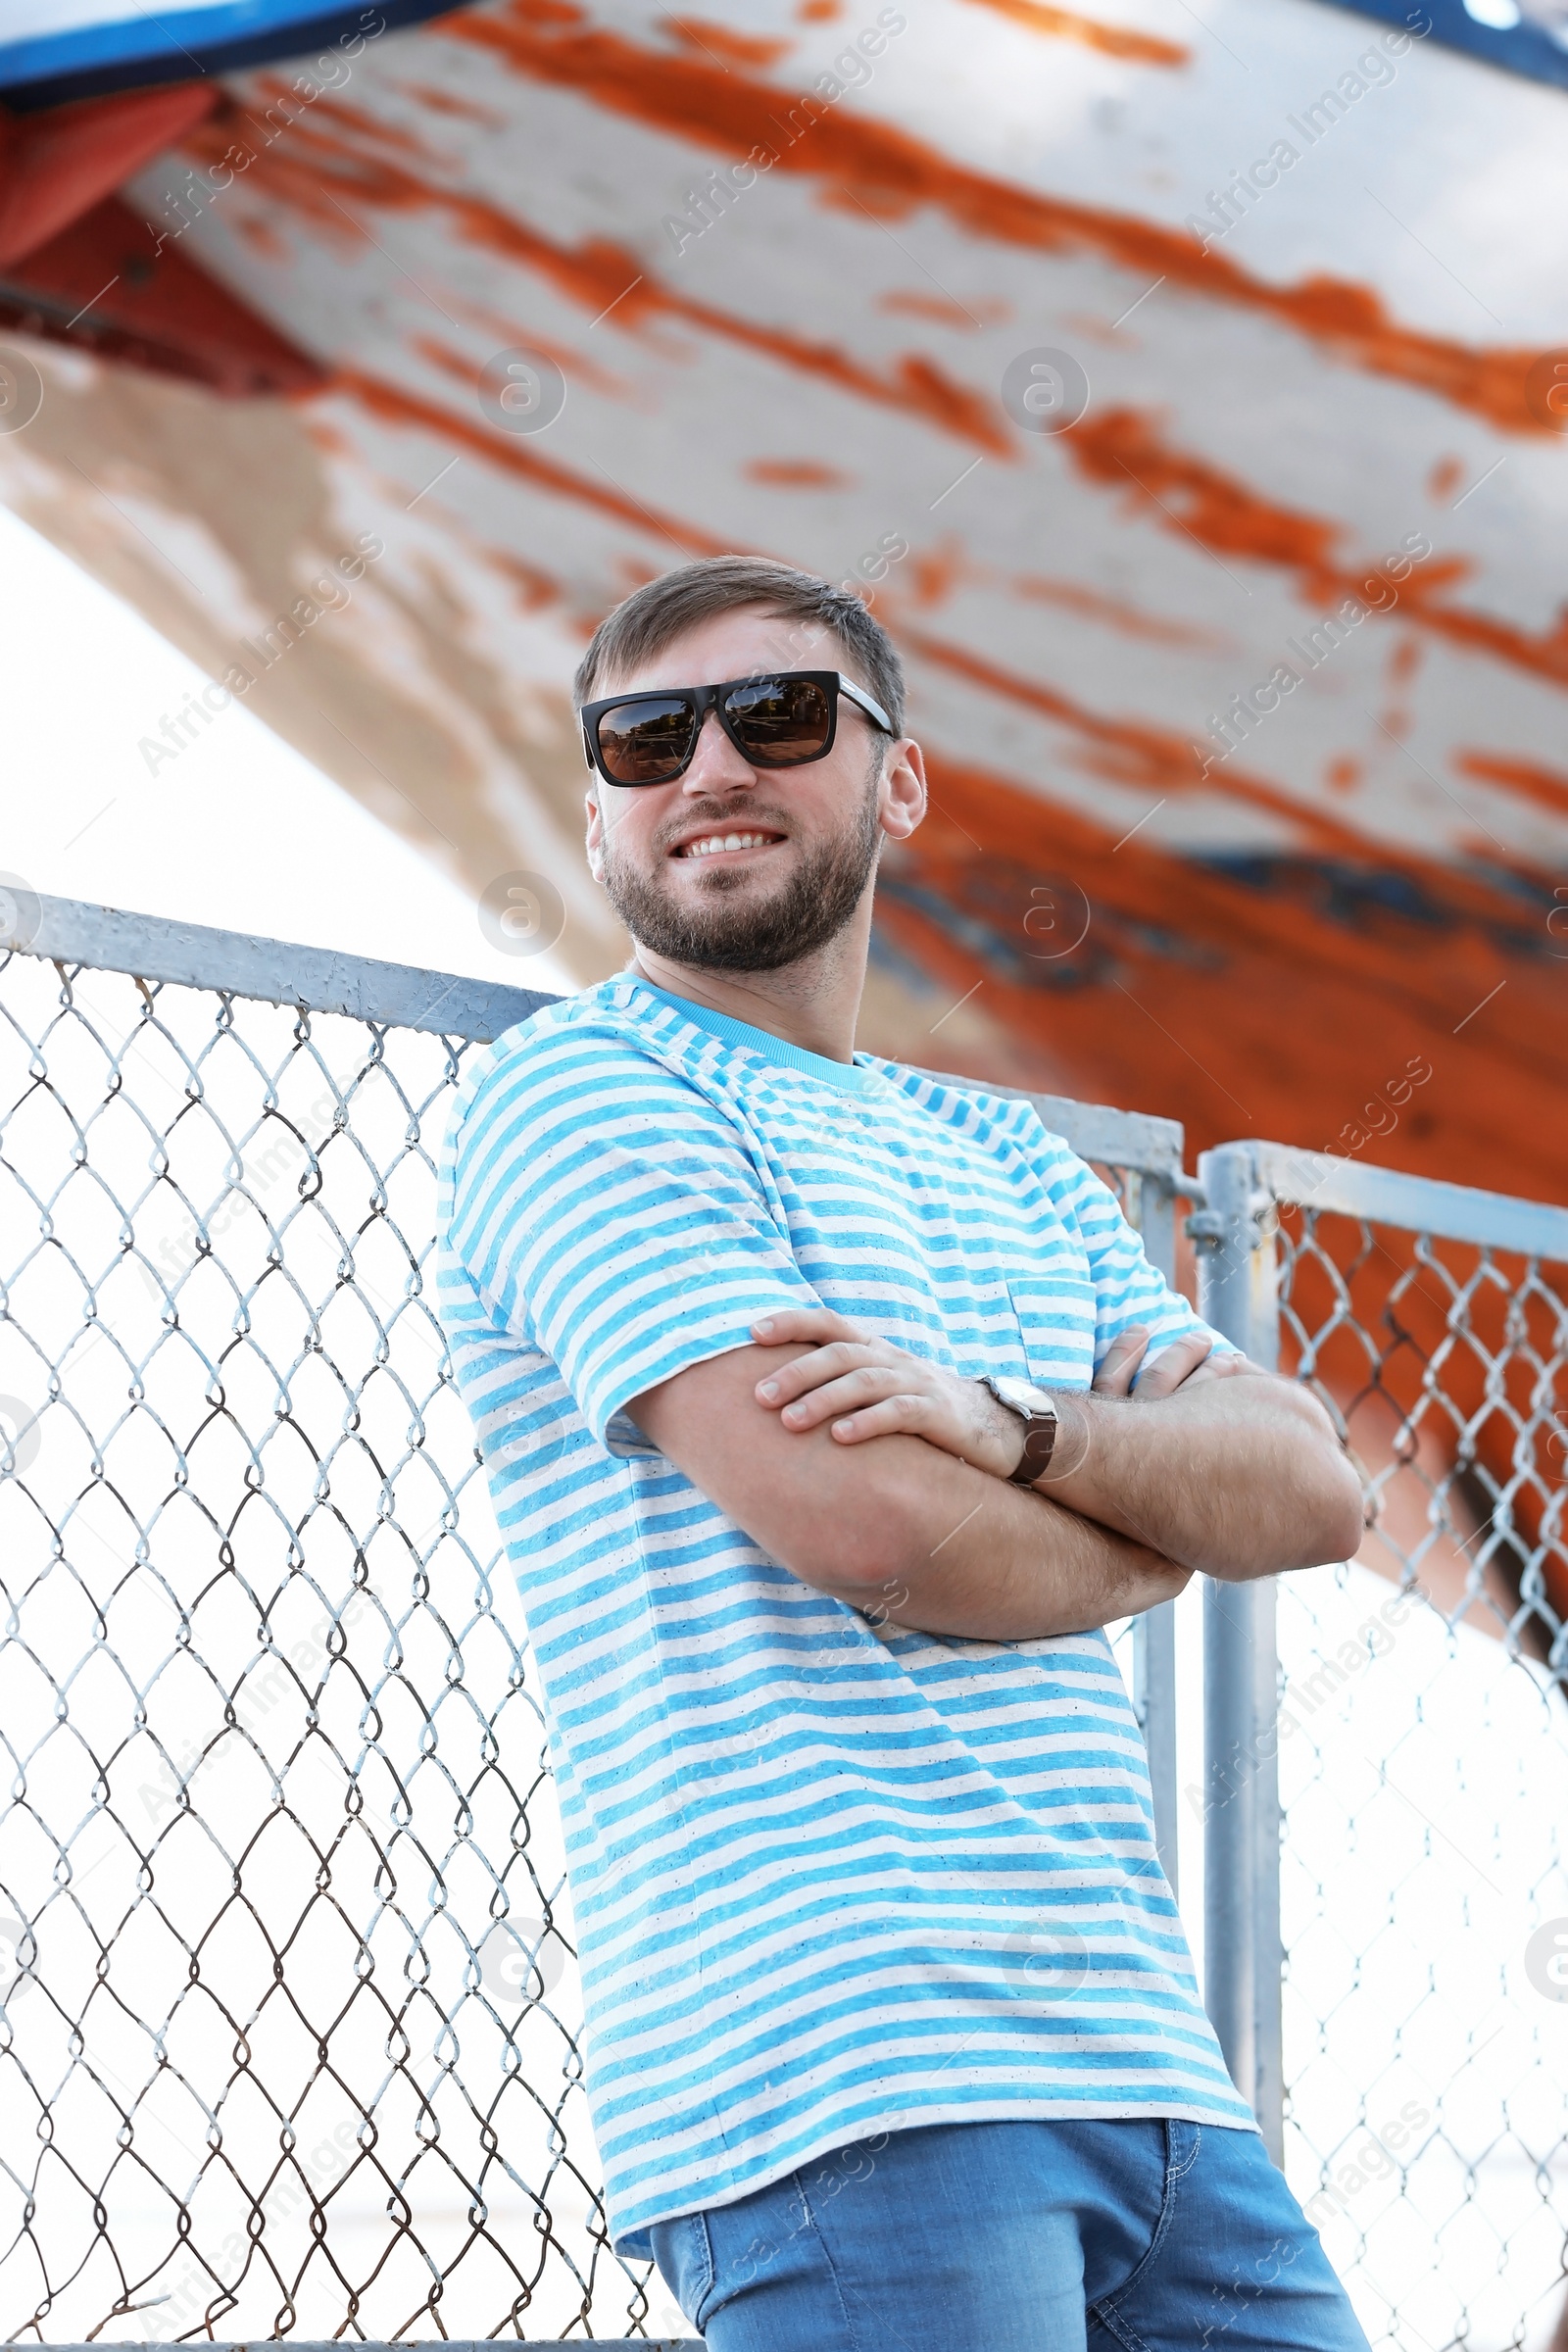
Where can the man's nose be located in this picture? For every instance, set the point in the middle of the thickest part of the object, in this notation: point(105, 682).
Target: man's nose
point(716, 765)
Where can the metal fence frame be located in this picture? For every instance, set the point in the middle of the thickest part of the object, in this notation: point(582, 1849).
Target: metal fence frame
point(1238, 1191)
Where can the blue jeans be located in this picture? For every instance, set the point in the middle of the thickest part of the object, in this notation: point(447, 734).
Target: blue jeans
point(1143, 2236)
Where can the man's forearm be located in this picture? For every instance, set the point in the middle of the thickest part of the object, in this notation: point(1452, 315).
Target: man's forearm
point(1017, 1568)
point(896, 1527)
point(1237, 1478)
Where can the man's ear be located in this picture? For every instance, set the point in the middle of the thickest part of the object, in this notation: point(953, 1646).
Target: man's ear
point(595, 842)
point(904, 789)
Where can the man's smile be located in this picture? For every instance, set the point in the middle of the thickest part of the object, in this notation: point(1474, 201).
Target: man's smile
point(736, 841)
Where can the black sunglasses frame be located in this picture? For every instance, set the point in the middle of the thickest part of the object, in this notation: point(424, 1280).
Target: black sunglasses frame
point(700, 700)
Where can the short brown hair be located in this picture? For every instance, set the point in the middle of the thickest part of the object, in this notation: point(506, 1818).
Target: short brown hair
point(663, 609)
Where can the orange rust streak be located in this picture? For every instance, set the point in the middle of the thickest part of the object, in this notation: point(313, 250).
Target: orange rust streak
point(596, 274)
point(460, 365)
point(443, 102)
point(1064, 23)
point(1072, 597)
point(1541, 785)
point(1187, 495)
point(730, 113)
point(946, 313)
point(516, 456)
point(1140, 754)
point(741, 48)
point(796, 473)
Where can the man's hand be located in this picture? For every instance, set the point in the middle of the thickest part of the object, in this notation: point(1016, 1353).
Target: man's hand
point(865, 1388)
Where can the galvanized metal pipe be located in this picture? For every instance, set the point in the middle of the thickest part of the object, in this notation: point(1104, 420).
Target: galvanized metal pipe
point(1241, 1950)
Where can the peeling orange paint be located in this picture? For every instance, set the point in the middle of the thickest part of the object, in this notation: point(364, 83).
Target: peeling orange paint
point(1445, 477)
point(797, 474)
point(1072, 595)
point(1136, 753)
point(936, 573)
point(728, 113)
point(335, 152)
point(1065, 25)
point(447, 102)
point(459, 365)
point(513, 454)
point(1530, 782)
point(982, 313)
point(1123, 449)
point(719, 40)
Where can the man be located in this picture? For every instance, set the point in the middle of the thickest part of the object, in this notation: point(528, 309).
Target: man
point(894, 2038)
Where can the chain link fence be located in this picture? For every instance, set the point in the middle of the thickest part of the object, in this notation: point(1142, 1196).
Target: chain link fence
point(1424, 1775)
point(289, 2021)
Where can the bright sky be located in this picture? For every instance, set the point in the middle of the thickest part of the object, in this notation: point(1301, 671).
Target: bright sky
point(240, 831)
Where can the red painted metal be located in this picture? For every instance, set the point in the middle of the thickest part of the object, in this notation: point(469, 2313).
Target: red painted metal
point(55, 167)
point(102, 285)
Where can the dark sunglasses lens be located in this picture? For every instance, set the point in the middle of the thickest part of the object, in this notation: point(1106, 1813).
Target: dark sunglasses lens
point(780, 721)
point(646, 741)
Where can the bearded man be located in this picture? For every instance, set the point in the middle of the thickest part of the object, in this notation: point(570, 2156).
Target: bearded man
point(831, 1412)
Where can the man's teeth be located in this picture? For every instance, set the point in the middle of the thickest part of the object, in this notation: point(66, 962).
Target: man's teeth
point(725, 841)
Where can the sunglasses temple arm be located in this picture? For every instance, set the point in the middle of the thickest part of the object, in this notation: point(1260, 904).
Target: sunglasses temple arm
point(874, 711)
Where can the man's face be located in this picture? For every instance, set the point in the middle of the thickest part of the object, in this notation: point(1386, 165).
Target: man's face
point(805, 838)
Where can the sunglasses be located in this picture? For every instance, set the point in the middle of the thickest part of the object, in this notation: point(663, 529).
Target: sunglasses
point(785, 719)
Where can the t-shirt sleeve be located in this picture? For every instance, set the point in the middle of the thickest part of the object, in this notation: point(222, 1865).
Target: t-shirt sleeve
point(611, 1213)
point(1127, 1289)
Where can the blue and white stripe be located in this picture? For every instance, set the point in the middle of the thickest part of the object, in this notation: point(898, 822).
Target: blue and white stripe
point(827, 1883)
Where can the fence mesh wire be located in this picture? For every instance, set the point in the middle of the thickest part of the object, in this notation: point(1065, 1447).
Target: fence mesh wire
point(1424, 1783)
point(289, 2018)
point(289, 2044)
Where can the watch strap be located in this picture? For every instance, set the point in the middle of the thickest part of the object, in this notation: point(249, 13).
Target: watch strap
point(1039, 1444)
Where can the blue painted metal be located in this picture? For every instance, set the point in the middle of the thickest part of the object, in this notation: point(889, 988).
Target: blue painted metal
point(1525, 47)
point(137, 48)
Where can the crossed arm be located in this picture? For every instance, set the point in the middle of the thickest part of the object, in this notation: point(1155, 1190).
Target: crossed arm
point(882, 1479)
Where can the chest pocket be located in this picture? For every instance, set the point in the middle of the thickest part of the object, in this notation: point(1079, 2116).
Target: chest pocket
point(1055, 1317)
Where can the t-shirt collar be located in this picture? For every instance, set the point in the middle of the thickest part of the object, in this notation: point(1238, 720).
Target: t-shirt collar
point(854, 1077)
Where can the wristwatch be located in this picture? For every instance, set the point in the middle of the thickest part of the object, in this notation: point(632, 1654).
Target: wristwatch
point(1036, 1410)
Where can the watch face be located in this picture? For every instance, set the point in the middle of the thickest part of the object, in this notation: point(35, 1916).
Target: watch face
point(1024, 1397)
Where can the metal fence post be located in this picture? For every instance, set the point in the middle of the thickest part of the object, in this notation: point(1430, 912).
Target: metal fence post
point(1243, 1957)
point(1155, 1631)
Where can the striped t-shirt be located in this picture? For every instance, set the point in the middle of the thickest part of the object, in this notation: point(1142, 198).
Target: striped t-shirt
point(828, 1878)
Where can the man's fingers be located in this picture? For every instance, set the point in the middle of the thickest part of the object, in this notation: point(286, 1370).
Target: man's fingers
point(886, 1419)
point(868, 1384)
point(796, 1323)
point(1175, 1365)
point(825, 1363)
point(1125, 1353)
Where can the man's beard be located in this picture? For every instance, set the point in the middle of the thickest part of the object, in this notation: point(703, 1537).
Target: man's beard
point(755, 936)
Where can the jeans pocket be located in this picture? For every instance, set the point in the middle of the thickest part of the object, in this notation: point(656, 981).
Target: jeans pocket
point(684, 2253)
